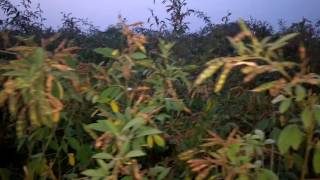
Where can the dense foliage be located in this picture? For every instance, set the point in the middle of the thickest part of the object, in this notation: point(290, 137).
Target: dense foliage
point(235, 100)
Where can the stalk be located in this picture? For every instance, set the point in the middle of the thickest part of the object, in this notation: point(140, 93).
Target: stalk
point(307, 153)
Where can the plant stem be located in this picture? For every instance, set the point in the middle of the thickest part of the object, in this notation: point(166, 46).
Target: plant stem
point(307, 153)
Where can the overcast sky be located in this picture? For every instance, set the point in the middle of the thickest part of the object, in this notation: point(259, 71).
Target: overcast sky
point(104, 12)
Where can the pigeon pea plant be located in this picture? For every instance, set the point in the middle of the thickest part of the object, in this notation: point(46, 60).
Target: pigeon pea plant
point(292, 89)
point(130, 109)
point(130, 116)
point(35, 92)
point(236, 157)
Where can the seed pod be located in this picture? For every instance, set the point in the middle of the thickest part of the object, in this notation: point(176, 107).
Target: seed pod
point(44, 112)
point(13, 104)
point(209, 71)
point(187, 155)
point(33, 116)
point(222, 78)
point(150, 141)
point(71, 159)
point(159, 140)
point(20, 125)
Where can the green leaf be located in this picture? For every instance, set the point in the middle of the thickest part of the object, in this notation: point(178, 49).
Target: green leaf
point(37, 58)
point(316, 111)
point(5, 174)
point(125, 147)
point(300, 93)
point(278, 99)
point(174, 104)
point(111, 127)
point(138, 55)
point(290, 136)
point(233, 151)
point(243, 26)
point(74, 143)
point(306, 117)
point(99, 126)
point(106, 52)
point(135, 153)
point(94, 173)
point(163, 173)
point(316, 161)
point(104, 126)
point(282, 41)
point(134, 122)
point(265, 174)
point(284, 106)
point(106, 167)
point(110, 93)
point(297, 160)
point(146, 63)
point(102, 155)
point(243, 177)
point(149, 131)
point(84, 154)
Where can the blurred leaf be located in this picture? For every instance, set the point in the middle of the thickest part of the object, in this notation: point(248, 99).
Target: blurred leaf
point(106, 52)
point(102, 155)
point(109, 94)
point(316, 160)
point(74, 143)
point(101, 126)
point(316, 112)
point(278, 99)
point(149, 131)
point(84, 154)
point(233, 151)
point(284, 105)
point(300, 93)
point(265, 174)
point(282, 41)
point(37, 58)
point(94, 173)
point(135, 153)
point(290, 136)
point(306, 117)
point(134, 122)
point(5, 174)
point(138, 56)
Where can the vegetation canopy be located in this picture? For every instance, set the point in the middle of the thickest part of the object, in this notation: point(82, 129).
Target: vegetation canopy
point(235, 100)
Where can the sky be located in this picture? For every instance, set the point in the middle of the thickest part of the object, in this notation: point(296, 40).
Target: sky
point(103, 13)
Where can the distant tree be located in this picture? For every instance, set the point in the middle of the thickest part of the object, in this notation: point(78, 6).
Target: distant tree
point(22, 17)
